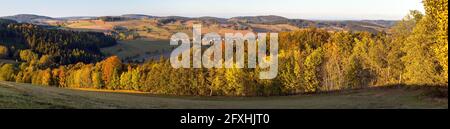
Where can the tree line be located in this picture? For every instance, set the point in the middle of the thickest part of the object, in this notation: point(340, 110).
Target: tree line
point(60, 46)
point(413, 52)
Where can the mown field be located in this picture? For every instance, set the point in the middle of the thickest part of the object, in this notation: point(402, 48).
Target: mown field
point(26, 96)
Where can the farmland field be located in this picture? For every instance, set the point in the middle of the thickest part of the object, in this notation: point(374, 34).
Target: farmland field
point(26, 96)
point(138, 49)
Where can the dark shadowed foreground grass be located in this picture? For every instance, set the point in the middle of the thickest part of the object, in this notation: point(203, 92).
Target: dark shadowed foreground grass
point(26, 96)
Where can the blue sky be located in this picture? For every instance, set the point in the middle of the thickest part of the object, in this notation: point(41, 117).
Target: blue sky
point(306, 9)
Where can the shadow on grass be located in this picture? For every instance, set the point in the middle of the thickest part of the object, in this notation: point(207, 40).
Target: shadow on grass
point(433, 91)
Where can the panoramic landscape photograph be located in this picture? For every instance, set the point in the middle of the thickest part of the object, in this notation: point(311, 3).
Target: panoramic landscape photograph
point(217, 54)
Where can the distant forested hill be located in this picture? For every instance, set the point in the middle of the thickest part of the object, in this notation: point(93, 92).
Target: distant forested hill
point(29, 18)
point(250, 23)
point(59, 46)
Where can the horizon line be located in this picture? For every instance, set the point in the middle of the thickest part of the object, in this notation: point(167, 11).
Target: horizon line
point(314, 19)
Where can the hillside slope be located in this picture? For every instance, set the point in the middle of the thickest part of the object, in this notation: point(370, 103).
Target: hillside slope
point(29, 18)
point(156, 27)
point(15, 95)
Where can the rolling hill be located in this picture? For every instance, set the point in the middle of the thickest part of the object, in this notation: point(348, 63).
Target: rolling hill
point(26, 96)
point(269, 19)
point(235, 23)
point(131, 27)
point(29, 18)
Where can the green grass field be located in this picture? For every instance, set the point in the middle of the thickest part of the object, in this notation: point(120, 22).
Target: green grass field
point(138, 49)
point(26, 96)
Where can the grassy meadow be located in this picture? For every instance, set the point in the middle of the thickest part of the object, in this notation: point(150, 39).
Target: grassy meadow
point(138, 49)
point(26, 96)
